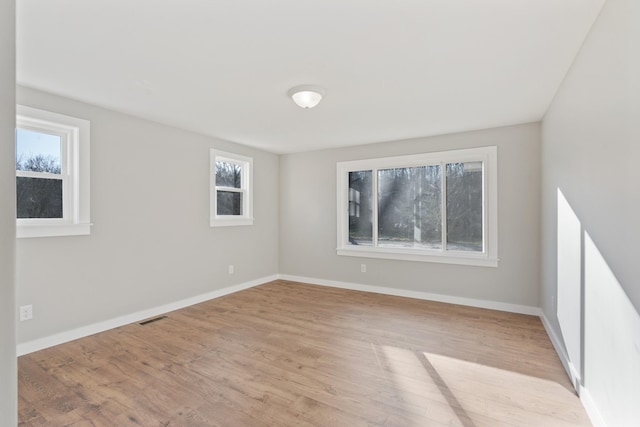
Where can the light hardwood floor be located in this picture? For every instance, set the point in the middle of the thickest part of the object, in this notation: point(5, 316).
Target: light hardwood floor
point(291, 354)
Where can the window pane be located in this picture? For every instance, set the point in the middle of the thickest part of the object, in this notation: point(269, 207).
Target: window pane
point(409, 212)
point(360, 208)
point(464, 206)
point(37, 151)
point(39, 197)
point(228, 174)
point(229, 203)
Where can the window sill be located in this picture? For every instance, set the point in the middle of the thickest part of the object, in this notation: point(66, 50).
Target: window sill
point(228, 222)
point(404, 255)
point(48, 230)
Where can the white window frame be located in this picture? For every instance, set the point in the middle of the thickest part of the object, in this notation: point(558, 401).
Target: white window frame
point(489, 255)
point(75, 141)
point(246, 189)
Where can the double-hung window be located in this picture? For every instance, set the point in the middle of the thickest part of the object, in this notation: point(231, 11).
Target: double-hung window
point(437, 207)
point(52, 174)
point(231, 189)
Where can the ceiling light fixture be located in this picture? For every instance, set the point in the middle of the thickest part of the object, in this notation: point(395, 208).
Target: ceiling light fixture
point(306, 96)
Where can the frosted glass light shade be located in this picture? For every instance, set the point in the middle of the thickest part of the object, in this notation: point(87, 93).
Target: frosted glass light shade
point(306, 96)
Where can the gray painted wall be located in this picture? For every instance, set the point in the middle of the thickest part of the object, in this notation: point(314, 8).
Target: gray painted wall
point(591, 147)
point(308, 220)
point(8, 376)
point(591, 150)
point(151, 243)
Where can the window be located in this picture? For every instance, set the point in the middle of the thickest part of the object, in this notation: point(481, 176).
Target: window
point(437, 207)
point(231, 189)
point(52, 174)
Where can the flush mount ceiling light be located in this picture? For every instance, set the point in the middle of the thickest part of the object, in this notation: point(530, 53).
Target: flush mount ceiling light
point(306, 96)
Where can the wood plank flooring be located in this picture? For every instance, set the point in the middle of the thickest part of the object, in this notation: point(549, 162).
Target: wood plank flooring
point(291, 354)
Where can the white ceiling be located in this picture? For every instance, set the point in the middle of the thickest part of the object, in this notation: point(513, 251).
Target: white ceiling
point(391, 69)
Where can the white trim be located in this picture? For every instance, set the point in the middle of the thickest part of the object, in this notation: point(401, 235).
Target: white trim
point(487, 258)
point(592, 409)
point(75, 148)
point(408, 255)
point(585, 397)
point(558, 345)
point(94, 328)
point(450, 299)
point(44, 230)
point(84, 331)
point(246, 190)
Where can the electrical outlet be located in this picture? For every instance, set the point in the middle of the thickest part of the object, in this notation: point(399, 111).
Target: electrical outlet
point(363, 268)
point(230, 268)
point(26, 312)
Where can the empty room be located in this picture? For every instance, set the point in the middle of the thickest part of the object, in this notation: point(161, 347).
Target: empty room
point(320, 213)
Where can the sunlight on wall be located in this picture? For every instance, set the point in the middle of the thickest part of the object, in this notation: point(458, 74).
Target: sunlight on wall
point(612, 344)
point(609, 359)
point(569, 284)
point(462, 393)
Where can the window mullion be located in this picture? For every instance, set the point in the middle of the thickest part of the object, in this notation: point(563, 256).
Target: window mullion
point(485, 216)
point(443, 204)
point(459, 171)
point(374, 206)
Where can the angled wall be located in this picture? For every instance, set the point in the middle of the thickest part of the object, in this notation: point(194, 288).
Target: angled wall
point(590, 154)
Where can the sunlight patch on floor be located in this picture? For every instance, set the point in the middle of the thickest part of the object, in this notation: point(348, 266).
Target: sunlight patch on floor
point(461, 393)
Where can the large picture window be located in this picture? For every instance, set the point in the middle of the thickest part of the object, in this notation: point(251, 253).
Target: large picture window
point(231, 189)
point(439, 207)
point(52, 174)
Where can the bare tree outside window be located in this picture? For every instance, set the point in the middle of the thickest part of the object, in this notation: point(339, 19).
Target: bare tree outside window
point(360, 207)
point(409, 213)
point(231, 189)
point(464, 206)
point(228, 175)
point(52, 174)
point(39, 163)
point(39, 186)
point(432, 207)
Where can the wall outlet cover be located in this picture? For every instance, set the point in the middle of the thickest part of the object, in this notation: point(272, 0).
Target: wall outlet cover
point(26, 312)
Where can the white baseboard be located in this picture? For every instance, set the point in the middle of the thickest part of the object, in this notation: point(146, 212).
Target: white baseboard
point(585, 397)
point(84, 331)
point(574, 376)
point(588, 403)
point(492, 305)
point(592, 409)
